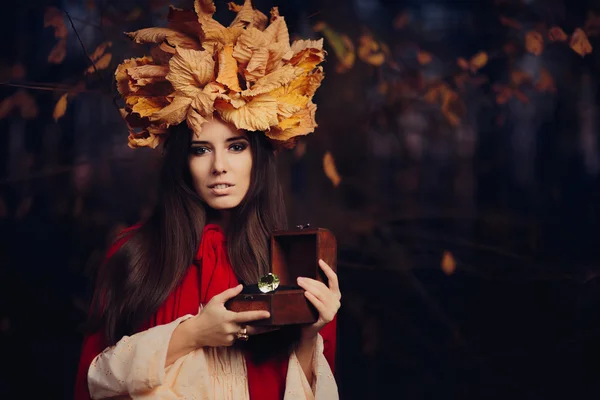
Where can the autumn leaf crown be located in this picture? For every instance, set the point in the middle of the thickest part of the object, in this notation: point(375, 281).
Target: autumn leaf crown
point(247, 73)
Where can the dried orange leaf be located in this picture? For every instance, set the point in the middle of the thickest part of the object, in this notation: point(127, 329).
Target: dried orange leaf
point(190, 70)
point(58, 53)
point(54, 17)
point(341, 44)
point(174, 113)
point(247, 16)
point(228, 69)
point(534, 42)
point(331, 170)
point(370, 51)
point(257, 115)
point(204, 103)
point(101, 64)
point(257, 67)
point(504, 94)
point(158, 35)
point(424, 57)
point(521, 96)
point(300, 123)
point(147, 106)
point(556, 34)
point(519, 77)
point(60, 108)
point(274, 80)
point(99, 52)
point(580, 43)
point(195, 120)
point(448, 263)
point(478, 61)
point(452, 106)
point(463, 63)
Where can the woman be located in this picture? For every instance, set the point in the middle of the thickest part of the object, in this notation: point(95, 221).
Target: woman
point(161, 329)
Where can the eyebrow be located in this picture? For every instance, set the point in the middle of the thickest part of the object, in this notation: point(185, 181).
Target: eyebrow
point(231, 139)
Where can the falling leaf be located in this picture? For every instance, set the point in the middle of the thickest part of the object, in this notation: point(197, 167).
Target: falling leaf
point(511, 23)
point(534, 42)
point(463, 63)
point(580, 43)
point(54, 17)
point(556, 34)
point(518, 77)
point(101, 64)
point(58, 53)
point(401, 20)
point(370, 51)
point(343, 47)
point(448, 263)
point(424, 57)
point(300, 149)
point(99, 52)
point(504, 93)
point(545, 82)
point(453, 107)
point(478, 61)
point(330, 169)
point(522, 97)
point(60, 108)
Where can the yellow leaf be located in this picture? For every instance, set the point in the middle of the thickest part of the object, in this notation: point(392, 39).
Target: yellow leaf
point(60, 108)
point(54, 17)
point(147, 106)
point(330, 169)
point(478, 61)
point(298, 124)
point(463, 63)
point(58, 53)
point(580, 43)
point(143, 139)
point(341, 44)
point(306, 54)
point(274, 80)
point(556, 34)
point(519, 77)
point(424, 57)
point(534, 42)
point(159, 35)
point(370, 51)
point(195, 120)
point(448, 263)
point(228, 69)
point(247, 16)
point(256, 68)
point(174, 113)
point(101, 64)
point(259, 114)
point(190, 70)
point(452, 107)
point(504, 94)
point(99, 52)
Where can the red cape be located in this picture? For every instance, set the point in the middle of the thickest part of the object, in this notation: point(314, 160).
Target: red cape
point(266, 381)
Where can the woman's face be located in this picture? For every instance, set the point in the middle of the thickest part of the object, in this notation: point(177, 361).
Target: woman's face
point(220, 164)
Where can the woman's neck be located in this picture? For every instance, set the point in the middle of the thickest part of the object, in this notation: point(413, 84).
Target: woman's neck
point(219, 217)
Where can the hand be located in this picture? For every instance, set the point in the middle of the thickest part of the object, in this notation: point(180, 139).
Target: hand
point(216, 326)
point(325, 299)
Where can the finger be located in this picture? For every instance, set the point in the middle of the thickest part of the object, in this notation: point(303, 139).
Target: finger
point(323, 310)
point(248, 316)
point(228, 294)
point(331, 276)
point(317, 288)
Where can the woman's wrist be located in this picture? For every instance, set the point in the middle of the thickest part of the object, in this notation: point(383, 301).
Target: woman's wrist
point(194, 338)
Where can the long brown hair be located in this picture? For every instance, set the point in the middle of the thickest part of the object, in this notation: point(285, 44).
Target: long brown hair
point(133, 283)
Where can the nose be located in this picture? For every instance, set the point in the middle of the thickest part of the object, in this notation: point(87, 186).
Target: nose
point(219, 163)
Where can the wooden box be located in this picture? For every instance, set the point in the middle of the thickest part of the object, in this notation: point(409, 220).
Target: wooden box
point(293, 253)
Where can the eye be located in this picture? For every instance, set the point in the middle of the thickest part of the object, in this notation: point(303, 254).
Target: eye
point(238, 147)
point(199, 150)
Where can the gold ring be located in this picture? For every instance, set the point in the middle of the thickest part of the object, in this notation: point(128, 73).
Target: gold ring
point(242, 334)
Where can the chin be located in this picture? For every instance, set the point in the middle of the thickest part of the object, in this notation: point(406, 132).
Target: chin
point(223, 203)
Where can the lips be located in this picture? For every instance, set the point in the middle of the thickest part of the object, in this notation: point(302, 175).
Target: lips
point(221, 189)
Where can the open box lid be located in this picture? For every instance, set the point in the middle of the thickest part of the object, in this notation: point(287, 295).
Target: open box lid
point(296, 253)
